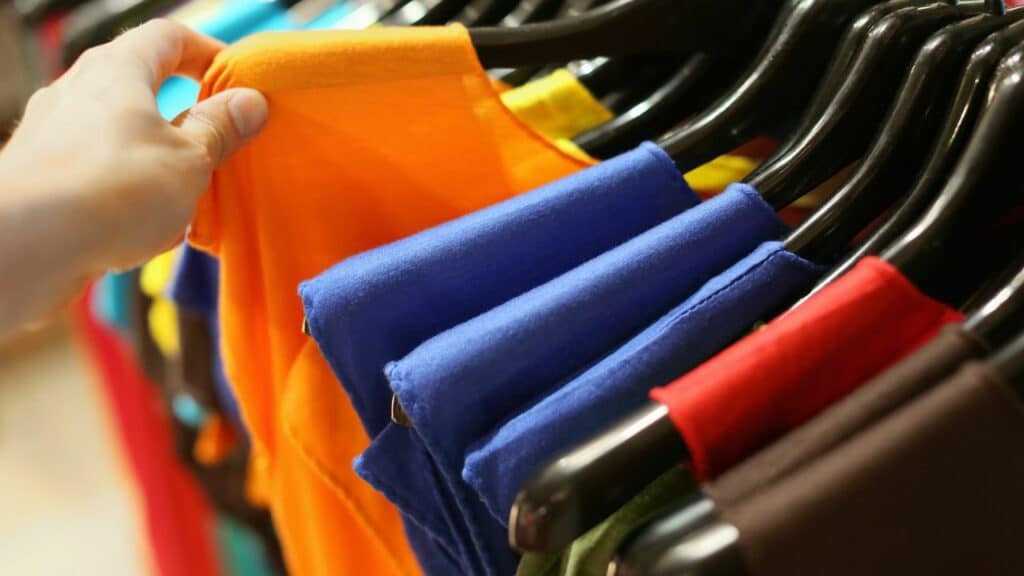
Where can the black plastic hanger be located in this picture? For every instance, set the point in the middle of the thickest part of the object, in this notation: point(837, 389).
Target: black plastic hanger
point(568, 9)
point(959, 123)
point(574, 493)
point(688, 89)
point(579, 490)
point(854, 37)
point(691, 541)
point(1009, 363)
point(576, 7)
point(621, 28)
point(383, 9)
point(631, 74)
point(588, 483)
point(654, 550)
point(517, 76)
point(840, 134)
point(424, 13)
point(976, 193)
point(644, 550)
point(371, 12)
point(530, 11)
point(901, 145)
point(94, 23)
point(302, 12)
point(691, 88)
point(619, 83)
point(1001, 316)
point(485, 12)
point(775, 89)
point(437, 12)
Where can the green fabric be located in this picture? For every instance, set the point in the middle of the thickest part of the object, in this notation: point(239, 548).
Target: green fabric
point(590, 554)
point(242, 552)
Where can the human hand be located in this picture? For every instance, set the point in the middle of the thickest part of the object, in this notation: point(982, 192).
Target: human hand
point(95, 140)
point(94, 178)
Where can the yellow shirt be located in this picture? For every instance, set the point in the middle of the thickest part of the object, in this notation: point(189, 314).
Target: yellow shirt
point(163, 318)
point(558, 107)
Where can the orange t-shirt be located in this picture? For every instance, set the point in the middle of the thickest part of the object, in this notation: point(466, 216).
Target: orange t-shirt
point(373, 135)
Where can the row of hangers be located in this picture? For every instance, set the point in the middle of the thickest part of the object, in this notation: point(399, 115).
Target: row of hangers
point(923, 98)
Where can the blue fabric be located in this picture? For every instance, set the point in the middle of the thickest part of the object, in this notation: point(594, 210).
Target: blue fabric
point(239, 18)
point(195, 281)
point(460, 384)
point(194, 287)
point(433, 558)
point(721, 311)
point(394, 454)
point(110, 300)
point(188, 411)
point(377, 306)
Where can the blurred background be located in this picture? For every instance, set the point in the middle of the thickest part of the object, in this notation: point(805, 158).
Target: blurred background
point(67, 503)
point(114, 460)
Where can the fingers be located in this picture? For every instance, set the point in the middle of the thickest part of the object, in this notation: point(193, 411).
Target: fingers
point(162, 48)
point(224, 122)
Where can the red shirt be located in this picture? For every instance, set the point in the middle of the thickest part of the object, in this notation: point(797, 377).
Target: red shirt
point(779, 377)
point(179, 522)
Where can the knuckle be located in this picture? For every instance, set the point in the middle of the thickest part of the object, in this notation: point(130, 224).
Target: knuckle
point(160, 27)
point(92, 56)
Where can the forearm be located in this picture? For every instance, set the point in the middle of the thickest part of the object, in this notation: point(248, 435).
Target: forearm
point(49, 247)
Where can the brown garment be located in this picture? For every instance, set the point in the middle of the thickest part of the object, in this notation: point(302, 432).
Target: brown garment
point(933, 488)
point(15, 69)
point(150, 358)
point(912, 376)
point(197, 368)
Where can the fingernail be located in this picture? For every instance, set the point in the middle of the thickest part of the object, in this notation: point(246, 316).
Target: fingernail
point(249, 111)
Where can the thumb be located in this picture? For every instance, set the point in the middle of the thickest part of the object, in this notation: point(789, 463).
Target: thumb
point(225, 121)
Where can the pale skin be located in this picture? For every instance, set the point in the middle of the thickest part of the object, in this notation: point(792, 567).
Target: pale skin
point(94, 179)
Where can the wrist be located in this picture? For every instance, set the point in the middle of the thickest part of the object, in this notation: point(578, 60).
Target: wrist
point(54, 220)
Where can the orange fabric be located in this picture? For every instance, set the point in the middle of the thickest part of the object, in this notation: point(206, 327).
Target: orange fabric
point(217, 440)
point(373, 135)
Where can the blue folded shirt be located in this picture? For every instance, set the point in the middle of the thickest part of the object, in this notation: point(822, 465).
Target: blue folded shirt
point(462, 383)
point(378, 306)
point(721, 311)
